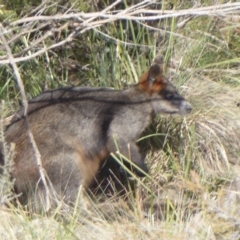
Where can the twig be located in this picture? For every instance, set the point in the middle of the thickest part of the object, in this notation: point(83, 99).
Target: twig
point(25, 106)
point(43, 50)
point(104, 11)
point(136, 15)
point(23, 32)
point(39, 7)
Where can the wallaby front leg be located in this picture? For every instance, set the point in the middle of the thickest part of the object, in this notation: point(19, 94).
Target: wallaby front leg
point(130, 151)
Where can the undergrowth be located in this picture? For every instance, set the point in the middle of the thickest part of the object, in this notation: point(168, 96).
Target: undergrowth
point(193, 188)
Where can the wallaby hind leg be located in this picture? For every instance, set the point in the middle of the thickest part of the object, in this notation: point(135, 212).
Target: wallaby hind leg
point(66, 171)
point(72, 172)
point(130, 151)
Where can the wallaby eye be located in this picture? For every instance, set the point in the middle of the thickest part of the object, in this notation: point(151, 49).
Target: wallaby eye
point(169, 96)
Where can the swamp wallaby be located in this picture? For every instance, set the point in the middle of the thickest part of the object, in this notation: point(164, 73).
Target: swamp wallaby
point(76, 128)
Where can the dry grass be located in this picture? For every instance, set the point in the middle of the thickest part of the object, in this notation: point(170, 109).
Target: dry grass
point(195, 186)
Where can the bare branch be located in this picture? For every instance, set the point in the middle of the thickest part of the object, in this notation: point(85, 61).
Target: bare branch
point(43, 50)
point(26, 31)
point(15, 69)
point(134, 15)
point(78, 23)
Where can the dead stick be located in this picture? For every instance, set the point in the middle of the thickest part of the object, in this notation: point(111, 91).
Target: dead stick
point(25, 106)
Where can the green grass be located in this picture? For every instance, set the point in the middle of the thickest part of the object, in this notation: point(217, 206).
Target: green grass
point(192, 160)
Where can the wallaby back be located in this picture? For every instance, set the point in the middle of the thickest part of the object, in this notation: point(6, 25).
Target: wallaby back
point(77, 128)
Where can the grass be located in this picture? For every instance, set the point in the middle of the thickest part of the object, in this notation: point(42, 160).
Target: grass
point(193, 192)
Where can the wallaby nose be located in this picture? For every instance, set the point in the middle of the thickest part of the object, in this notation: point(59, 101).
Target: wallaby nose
point(188, 108)
point(185, 108)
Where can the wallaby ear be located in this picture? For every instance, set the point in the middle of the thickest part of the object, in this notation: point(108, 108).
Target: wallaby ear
point(153, 79)
point(154, 73)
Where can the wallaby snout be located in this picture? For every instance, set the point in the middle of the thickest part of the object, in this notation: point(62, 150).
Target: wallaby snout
point(185, 108)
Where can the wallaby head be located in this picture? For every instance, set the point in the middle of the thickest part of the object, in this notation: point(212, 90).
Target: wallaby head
point(164, 96)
